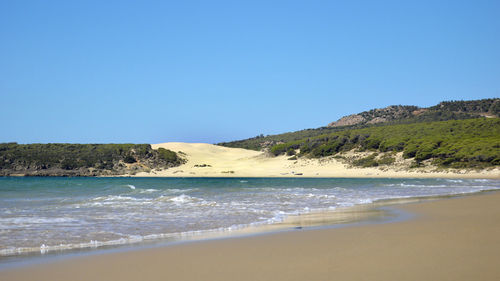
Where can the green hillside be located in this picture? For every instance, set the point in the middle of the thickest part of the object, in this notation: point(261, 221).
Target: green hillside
point(453, 143)
point(60, 159)
point(391, 115)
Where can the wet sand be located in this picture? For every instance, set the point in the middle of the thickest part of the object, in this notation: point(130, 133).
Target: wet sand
point(447, 239)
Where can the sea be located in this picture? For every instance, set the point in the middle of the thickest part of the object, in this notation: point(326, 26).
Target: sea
point(42, 215)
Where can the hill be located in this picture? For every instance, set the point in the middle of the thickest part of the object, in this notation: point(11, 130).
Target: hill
point(449, 110)
point(456, 134)
point(454, 143)
point(395, 114)
point(60, 159)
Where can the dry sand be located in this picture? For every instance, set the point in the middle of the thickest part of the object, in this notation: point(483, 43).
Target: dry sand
point(449, 239)
point(222, 161)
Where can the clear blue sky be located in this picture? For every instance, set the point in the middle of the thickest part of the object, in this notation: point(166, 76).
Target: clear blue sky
point(211, 71)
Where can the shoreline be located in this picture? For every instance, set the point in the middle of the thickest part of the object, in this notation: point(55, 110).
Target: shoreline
point(491, 176)
point(379, 211)
point(342, 214)
point(434, 211)
point(418, 175)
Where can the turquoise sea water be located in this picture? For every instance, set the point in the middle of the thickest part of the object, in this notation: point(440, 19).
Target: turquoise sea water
point(41, 215)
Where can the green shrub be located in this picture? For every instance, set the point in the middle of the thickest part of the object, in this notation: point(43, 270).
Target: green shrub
point(386, 160)
point(279, 149)
point(129, 159)
point(69, 164)
point(168, 155)
point(80, 156)
point(469, 143)
point(366, 162)
point(290, 152)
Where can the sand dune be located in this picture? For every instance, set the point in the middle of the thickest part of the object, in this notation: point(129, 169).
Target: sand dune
point(208, 160)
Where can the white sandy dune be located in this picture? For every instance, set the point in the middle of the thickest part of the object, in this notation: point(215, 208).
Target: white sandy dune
point(208, 160)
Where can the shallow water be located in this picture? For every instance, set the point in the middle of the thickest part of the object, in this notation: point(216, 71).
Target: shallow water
point(40, 215)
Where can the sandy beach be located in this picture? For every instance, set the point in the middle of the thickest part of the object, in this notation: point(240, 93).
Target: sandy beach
point(447, 239)
point(208, 160)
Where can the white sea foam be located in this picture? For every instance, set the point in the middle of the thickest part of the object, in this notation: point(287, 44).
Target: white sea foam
point(115, 216)
point(130, 239)
point(456, 181)
point(149, 190)
point(482, 180)
point(131, 186)
point(177, 190)
point(183, 198)
point(114, 198)
point(35, 220)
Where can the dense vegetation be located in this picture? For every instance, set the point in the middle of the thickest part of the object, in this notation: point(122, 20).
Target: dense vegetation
point(261, 141)
point(450, 134)
point(453, 143)
point(490, 106)
point(450, 110)
point(82, 159)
